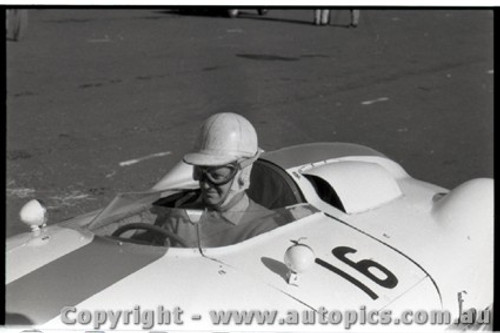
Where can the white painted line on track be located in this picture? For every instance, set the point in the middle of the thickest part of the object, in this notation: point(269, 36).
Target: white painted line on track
point(140, 159)
point(381, 99)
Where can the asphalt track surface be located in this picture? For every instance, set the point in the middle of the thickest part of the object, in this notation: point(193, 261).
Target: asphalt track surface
point(106, 100)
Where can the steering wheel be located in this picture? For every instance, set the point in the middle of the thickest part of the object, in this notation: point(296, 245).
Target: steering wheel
point(149, 227)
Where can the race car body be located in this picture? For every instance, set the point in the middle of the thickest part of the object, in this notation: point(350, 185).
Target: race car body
point(357, 236)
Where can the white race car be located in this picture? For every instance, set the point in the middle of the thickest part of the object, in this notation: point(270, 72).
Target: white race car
point(361, 245)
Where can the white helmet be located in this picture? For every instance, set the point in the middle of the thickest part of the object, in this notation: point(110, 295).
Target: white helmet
point(224, 138)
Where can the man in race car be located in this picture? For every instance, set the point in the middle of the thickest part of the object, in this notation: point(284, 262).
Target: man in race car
point(224, 153)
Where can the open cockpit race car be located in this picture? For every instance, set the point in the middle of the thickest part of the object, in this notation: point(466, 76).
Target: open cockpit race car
point(360, 245)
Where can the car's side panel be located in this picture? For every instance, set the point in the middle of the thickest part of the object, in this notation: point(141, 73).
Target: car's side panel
point(193, 283)
point(335, 279)
point(457, 253)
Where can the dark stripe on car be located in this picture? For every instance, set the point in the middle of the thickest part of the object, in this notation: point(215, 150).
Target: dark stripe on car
point(40, 295)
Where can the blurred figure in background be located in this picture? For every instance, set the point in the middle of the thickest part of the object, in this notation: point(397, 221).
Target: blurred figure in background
point(354, 17)
point(322, 17)
point(16, 23)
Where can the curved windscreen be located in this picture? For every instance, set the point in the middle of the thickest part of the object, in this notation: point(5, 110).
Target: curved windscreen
point(149, 218)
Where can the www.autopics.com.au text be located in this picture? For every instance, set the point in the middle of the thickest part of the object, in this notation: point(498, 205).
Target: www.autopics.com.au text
point(148, 318)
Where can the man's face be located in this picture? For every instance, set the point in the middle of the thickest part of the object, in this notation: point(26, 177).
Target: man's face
point(215, 182)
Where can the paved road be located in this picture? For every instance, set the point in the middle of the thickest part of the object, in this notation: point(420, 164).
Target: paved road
point(90, 89)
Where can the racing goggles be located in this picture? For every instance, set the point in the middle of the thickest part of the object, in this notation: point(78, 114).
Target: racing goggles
point(216, 175)
point(222, 174)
